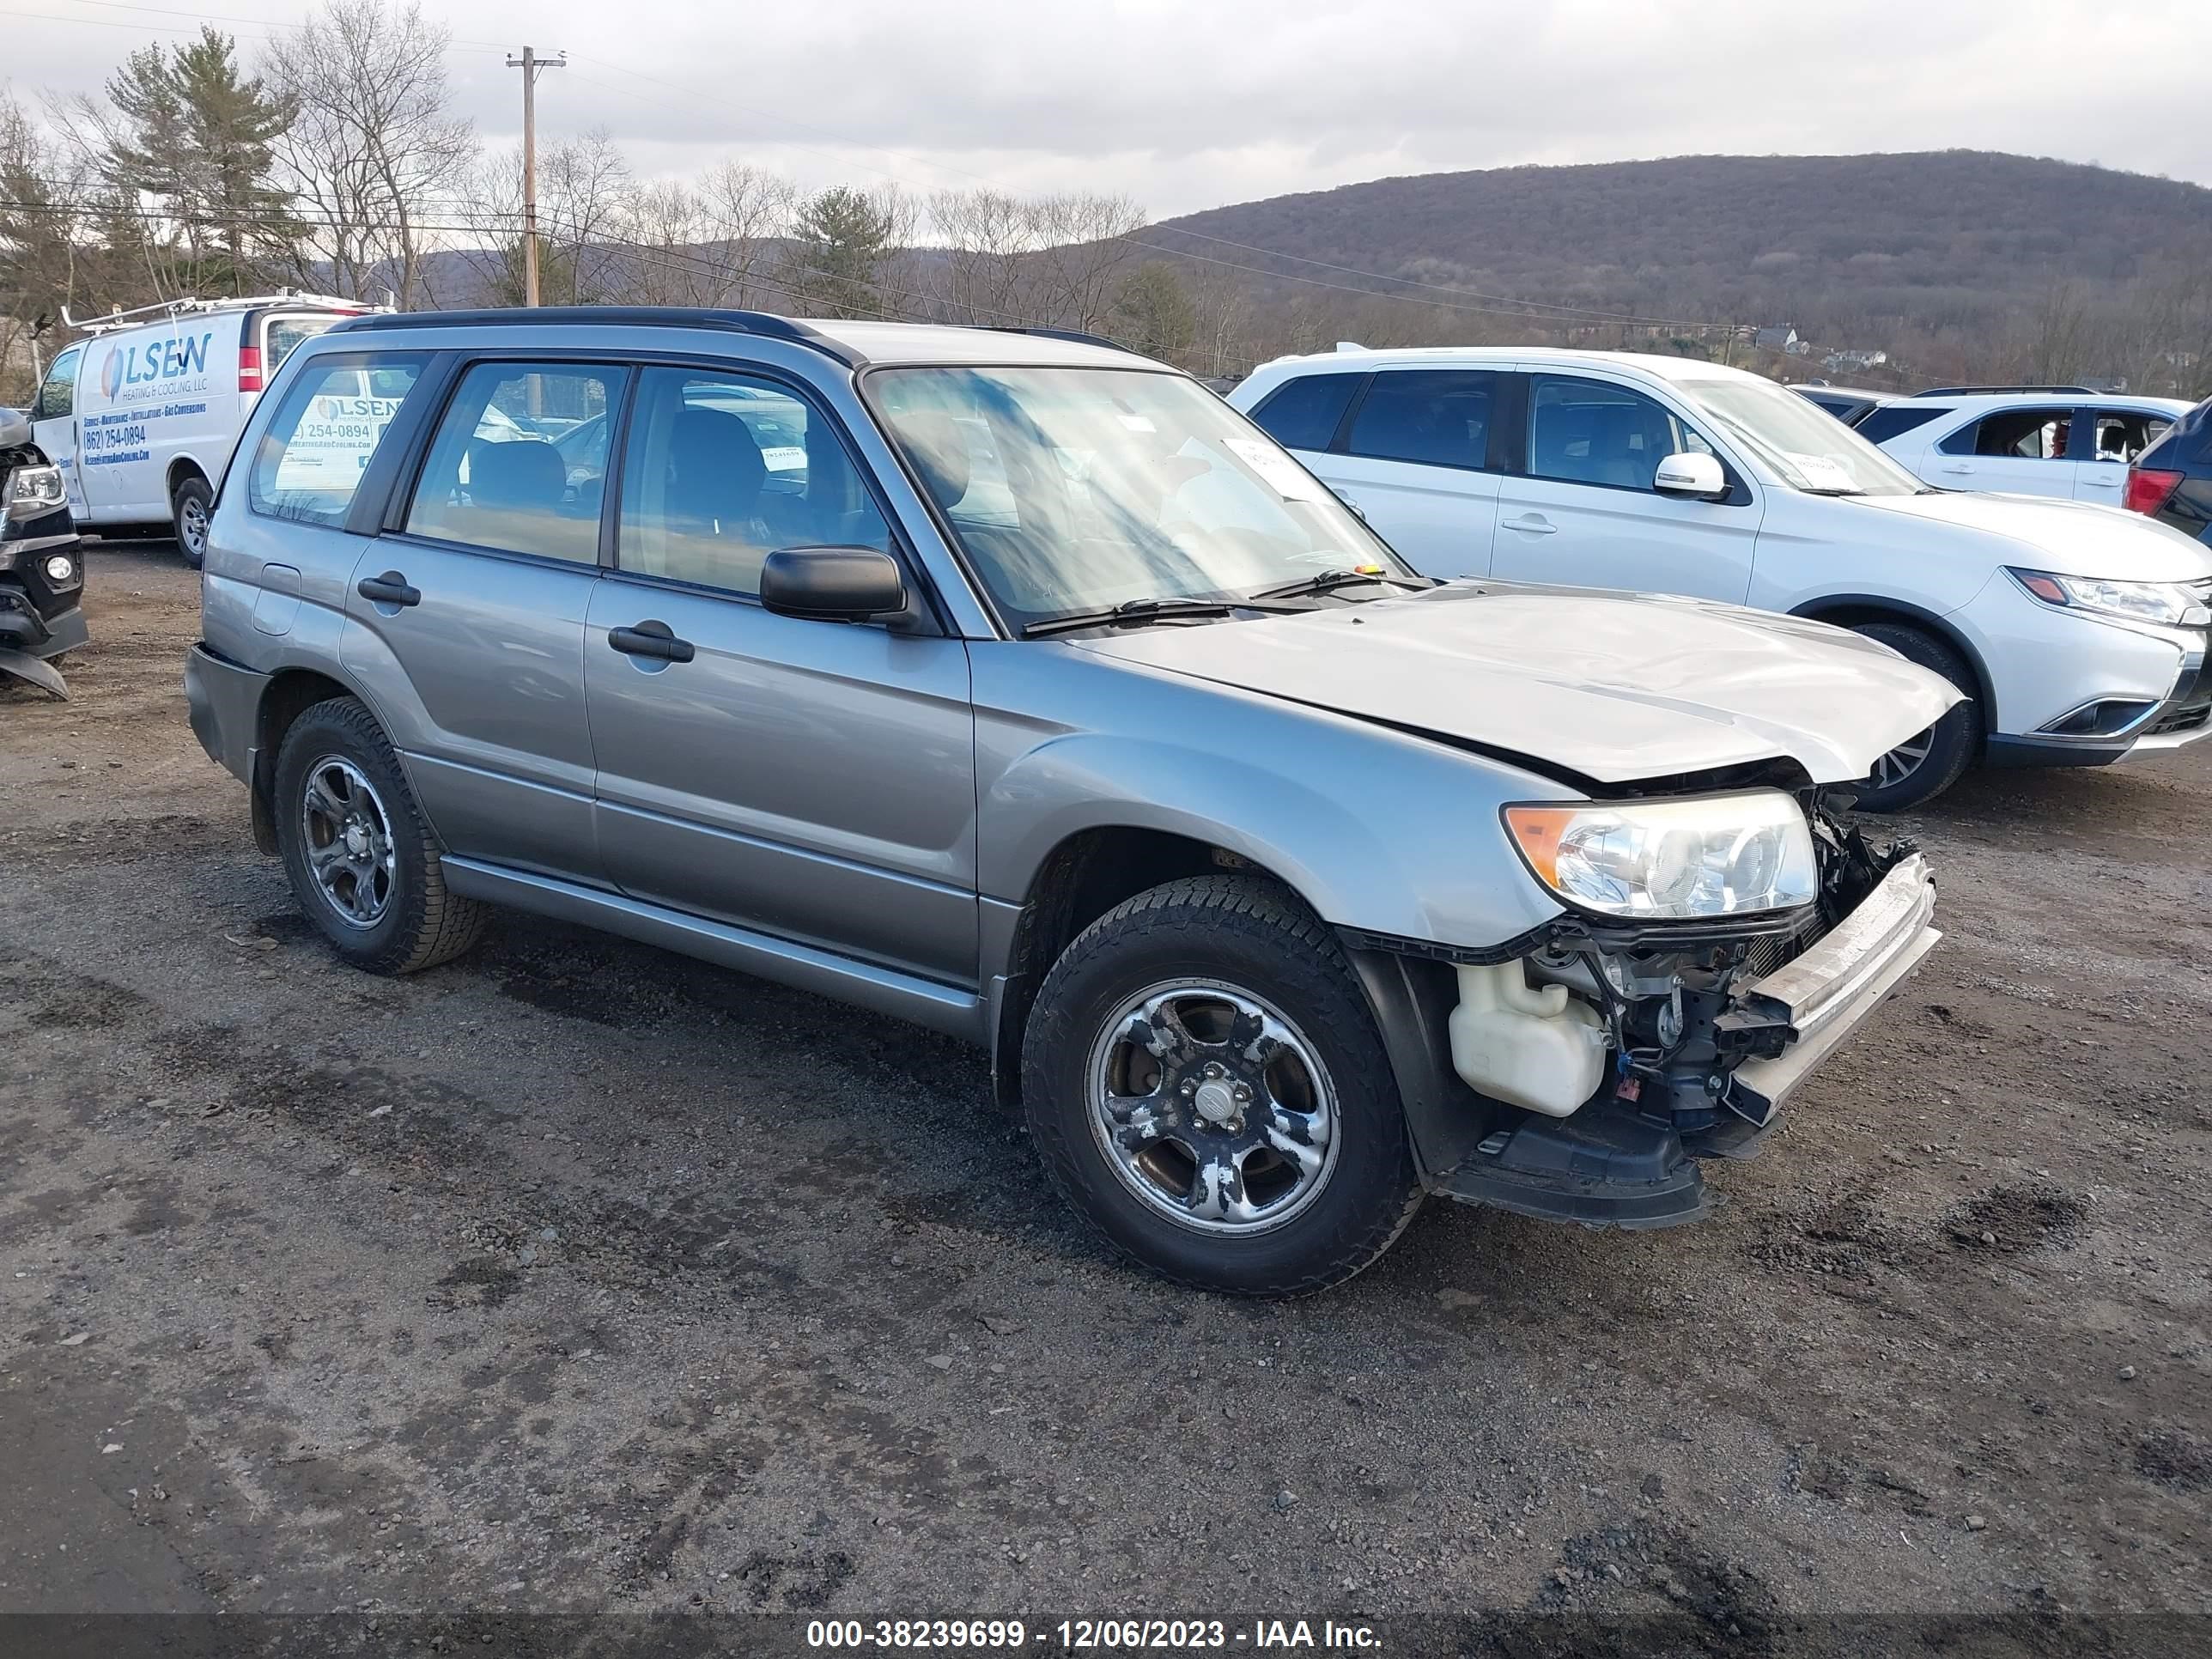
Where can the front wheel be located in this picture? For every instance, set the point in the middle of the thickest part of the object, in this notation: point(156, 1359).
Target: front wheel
point(1205, 1082)
point(189, 508)
point(1926, 764)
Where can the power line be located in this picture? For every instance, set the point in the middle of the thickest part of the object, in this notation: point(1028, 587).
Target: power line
point(214, 17)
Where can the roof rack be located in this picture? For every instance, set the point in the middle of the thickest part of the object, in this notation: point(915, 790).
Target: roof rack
point(138, 316)
point(764, 323)
point(1978, 391)
point(1072, 336)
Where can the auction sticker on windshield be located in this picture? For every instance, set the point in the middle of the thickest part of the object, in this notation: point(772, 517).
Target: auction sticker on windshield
point(1282, 474)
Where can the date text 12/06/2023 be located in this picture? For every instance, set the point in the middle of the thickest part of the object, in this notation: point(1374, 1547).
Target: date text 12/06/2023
point(1092, 1635)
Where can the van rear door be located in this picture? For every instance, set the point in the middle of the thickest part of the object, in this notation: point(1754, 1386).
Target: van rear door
point(270, 337)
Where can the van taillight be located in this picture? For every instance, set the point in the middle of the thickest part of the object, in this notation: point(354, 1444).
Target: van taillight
point(2148, 488)
point(249, 369)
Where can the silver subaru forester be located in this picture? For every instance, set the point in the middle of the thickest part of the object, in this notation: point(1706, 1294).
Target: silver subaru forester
point(1015, 686)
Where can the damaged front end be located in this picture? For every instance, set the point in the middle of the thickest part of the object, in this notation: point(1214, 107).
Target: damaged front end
point(1594, 1063)
point(41, 565)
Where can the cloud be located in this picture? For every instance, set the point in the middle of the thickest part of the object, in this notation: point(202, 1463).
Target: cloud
point(1185, 106)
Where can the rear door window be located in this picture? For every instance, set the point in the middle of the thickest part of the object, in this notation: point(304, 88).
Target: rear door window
point(495, 477)
point(310, 459)
point(1304, 414)
point(2020, 434)
point(1433, 417)
point(2123, 435)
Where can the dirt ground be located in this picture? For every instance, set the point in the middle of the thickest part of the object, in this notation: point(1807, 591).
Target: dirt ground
point(577, 1276)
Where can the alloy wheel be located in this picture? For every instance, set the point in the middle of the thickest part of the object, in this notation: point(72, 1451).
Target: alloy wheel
point(1902, 761)
point(348, 837)
point(1211, 1106)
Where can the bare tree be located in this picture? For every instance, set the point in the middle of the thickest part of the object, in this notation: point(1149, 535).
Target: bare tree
point(584, 190)
point(985, 234)
point(1085, 241)
point(710, 242)
point(374, 156)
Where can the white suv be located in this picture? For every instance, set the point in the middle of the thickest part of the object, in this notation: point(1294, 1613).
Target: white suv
point(2078, 635)
point(2062, 440)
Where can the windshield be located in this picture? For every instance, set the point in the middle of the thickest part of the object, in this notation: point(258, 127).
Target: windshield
point(1808, 448)
point(1076, 490)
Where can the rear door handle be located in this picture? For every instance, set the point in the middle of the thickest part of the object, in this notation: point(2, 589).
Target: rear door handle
point(2100, 482)
point(1957, 466)
point(652, 639)
point(390, 588)
point(1534, 525)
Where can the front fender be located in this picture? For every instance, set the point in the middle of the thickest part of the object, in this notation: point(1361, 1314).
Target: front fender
point(1378, 830)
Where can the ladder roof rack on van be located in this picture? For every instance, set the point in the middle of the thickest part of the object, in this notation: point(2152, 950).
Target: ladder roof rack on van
point(138, 316)
point(765, 324)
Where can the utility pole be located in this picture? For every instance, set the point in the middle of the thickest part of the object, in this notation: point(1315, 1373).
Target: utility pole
point(532, 66)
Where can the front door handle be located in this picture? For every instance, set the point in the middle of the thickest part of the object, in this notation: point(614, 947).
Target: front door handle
point(390, 588)
point(652, 639)
point(1534, 525)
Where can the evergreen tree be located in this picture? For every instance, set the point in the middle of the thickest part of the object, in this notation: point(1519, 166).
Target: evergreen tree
point(840, 239)
point(194, 135)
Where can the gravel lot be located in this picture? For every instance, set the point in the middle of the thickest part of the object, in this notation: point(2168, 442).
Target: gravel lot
point(577, 1276)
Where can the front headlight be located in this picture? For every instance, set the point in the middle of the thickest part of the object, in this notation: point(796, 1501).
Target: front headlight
point(2168, 603)
point(1661, 861)
point(34, 490)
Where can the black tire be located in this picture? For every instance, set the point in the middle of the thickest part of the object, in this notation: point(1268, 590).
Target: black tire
point(1956, 738)
point(420, 923)
point(192, 497)
point(1250, 934)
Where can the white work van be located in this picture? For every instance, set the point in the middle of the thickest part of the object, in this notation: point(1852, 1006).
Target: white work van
point(141, 415)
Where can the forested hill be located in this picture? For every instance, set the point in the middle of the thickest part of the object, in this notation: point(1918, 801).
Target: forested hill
point(1832, 243)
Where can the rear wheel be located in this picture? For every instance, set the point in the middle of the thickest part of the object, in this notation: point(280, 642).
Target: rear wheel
point(190, 504)
point(1206, 1086)
point(360, 855)
point(1926, 764)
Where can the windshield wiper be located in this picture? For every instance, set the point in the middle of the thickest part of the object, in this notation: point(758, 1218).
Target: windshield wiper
point(1136, 613)
point(1329, 582)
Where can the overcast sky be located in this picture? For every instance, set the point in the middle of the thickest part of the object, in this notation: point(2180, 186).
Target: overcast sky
point(1195, 104)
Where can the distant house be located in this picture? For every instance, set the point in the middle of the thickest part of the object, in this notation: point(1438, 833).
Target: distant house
point(1851, 357)
point(2109, 387)
point(1777, 339)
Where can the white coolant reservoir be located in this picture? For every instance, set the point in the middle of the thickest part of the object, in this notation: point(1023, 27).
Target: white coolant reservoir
point(1538, 1047)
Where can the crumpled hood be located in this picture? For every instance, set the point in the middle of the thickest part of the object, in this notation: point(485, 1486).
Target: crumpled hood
point(2073, 538)
point(1615, 687)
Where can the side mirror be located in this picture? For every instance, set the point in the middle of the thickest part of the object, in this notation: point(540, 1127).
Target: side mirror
point(14, 428)
point(1690, 473)
point(832, 584)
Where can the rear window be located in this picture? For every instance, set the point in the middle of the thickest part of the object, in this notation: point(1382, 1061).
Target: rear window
point(1891, 419)
point(311, 456)
point(280, 335)
point(1304, 414)
point(2187, 442)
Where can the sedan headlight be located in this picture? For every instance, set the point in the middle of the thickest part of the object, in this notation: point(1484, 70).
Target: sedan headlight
point(2150, 602)
point(1659, 860)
